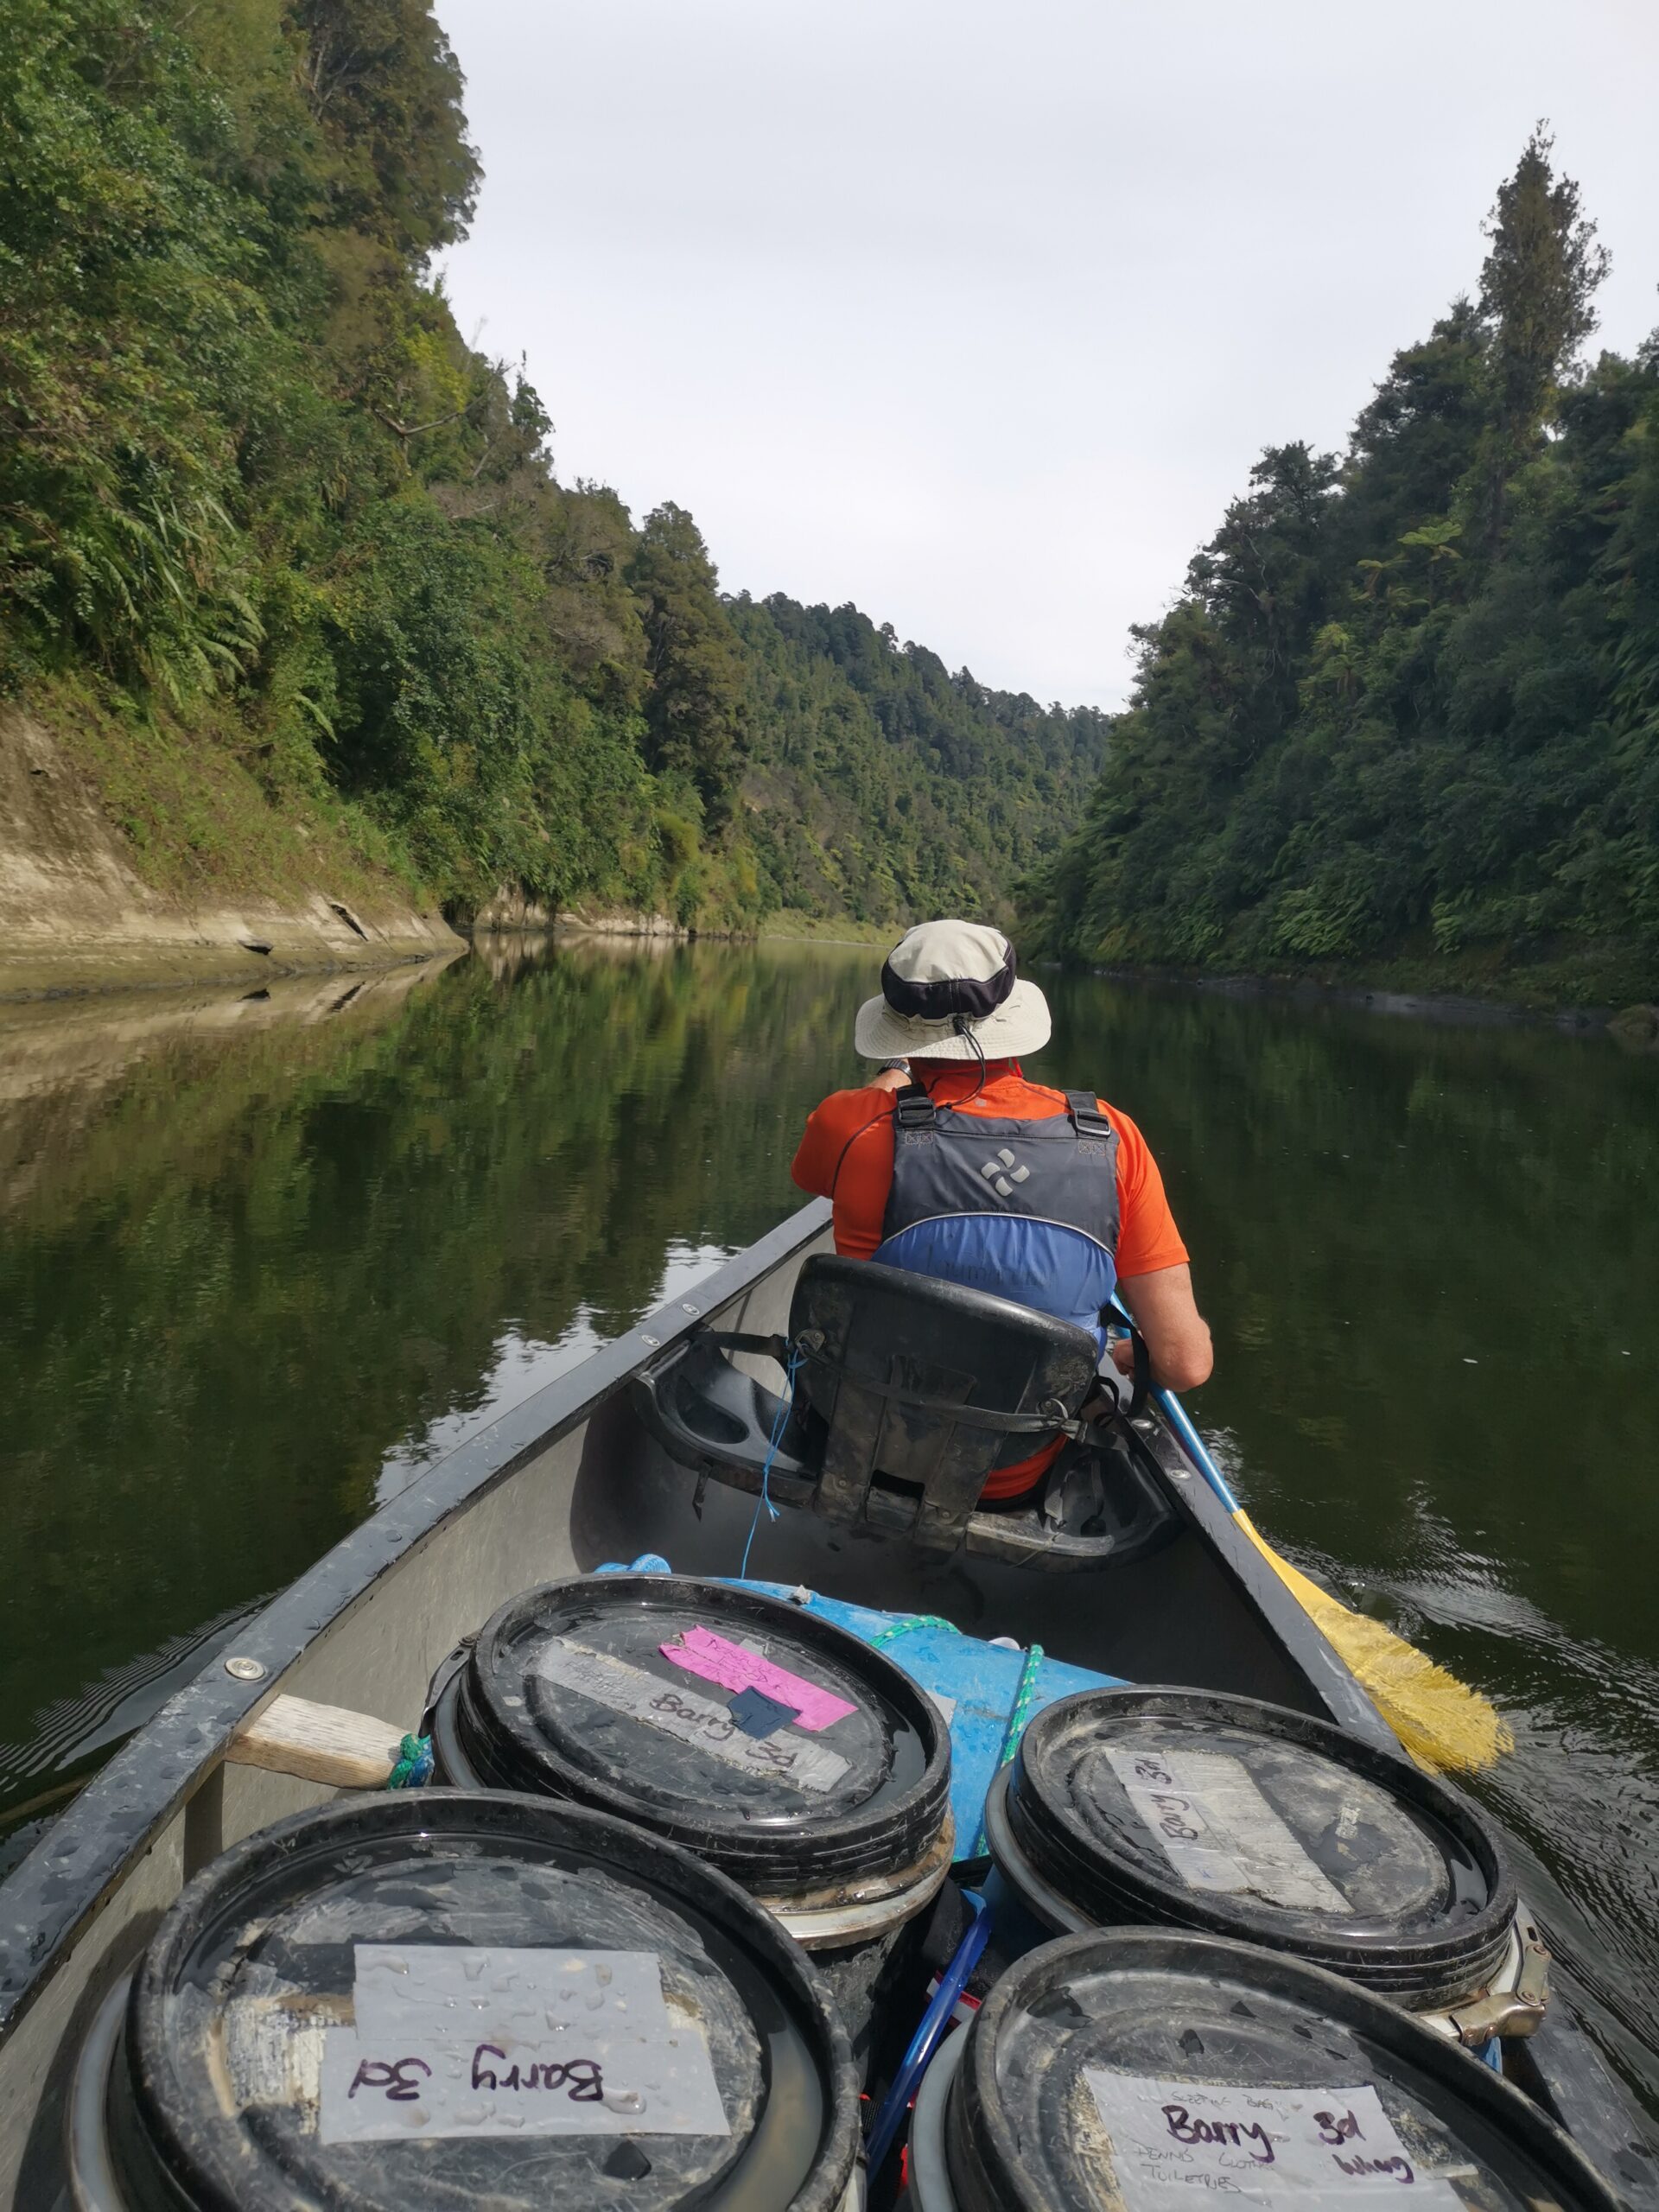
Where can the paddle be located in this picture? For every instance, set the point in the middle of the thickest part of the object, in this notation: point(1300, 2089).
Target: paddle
point(1444, 1724)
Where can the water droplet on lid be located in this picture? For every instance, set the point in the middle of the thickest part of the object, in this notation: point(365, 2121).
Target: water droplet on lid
point(625, 2100)
point(602, 1975)
point(474, 1966)
point(595, 1998)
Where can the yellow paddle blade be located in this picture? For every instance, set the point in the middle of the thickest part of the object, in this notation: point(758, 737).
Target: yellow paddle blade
point(1444, 1724)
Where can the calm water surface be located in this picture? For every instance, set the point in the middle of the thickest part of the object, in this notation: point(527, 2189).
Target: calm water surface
point(260, 1259)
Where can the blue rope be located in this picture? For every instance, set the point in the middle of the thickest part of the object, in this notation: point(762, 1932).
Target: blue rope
point(780, 1421)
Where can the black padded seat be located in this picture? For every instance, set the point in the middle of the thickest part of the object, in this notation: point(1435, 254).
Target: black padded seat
point(909, 1392)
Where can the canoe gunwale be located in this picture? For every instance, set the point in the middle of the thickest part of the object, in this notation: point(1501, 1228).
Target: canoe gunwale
point(1304, 1642)
point(55, 1894)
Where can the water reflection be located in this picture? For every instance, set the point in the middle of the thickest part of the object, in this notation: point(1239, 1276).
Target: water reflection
point(262, 1260)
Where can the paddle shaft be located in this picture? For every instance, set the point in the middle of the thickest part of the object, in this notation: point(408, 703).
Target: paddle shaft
point(1176, 1414)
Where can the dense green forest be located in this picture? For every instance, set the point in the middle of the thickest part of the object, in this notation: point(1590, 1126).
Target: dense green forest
point(262, 509)
point(1405, 715)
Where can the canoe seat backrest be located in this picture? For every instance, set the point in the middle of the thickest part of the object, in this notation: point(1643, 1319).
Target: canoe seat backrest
point(927, 1385)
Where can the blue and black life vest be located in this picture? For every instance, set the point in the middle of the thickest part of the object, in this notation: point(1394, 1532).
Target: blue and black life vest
point(1023, 1210)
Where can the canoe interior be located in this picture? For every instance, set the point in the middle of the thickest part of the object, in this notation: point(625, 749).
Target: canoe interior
point(557, 1486)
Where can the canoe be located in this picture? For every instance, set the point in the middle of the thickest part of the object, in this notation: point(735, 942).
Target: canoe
point(574, 1477)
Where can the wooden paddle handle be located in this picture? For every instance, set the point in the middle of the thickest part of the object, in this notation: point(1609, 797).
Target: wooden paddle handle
point(319, 1743)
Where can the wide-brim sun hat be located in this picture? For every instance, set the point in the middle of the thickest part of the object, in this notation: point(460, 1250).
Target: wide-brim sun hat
point(949, 992)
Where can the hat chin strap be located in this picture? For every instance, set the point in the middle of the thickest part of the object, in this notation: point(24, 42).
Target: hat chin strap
point(963, 1027)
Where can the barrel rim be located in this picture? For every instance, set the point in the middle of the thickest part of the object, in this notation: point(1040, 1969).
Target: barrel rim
point(751, 1849)
point(620, 1845)
point(982, 2143)
point(1035, 1818)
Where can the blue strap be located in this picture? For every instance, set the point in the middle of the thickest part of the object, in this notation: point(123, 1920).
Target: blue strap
point(925, 2040)
point(780, 1421)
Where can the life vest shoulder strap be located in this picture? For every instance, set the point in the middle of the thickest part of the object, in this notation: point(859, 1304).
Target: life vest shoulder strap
point(913, 1109)
point(1086, 1117)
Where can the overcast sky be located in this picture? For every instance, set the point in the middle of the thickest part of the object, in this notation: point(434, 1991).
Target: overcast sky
point(977, 314)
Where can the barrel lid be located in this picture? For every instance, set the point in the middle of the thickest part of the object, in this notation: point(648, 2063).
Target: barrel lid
point(779, 1747)
point(445, 1999)
point(1142, 2069)
point(1224, 1814)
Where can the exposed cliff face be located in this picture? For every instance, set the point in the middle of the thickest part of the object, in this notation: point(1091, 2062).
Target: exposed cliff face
point(511, 910)
point(76, 915)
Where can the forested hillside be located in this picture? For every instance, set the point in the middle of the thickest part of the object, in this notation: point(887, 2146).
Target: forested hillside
point(288, 566)
point(1405, 716)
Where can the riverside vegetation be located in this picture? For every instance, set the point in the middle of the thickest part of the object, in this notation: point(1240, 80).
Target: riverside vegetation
point(286, 568)
point(1404, 719)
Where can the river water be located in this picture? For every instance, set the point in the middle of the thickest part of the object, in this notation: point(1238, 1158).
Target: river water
point(260, 1258)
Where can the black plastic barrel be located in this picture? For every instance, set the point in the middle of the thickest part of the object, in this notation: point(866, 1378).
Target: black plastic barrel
point(1245, 1820)
point(778, 1747)
point(440, 1999)
point(1151, 2068)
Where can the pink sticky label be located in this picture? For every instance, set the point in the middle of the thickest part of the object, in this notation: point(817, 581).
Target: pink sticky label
point(699, 1651)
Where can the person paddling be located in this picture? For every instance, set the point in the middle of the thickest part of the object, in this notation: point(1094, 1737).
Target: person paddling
point(950, 1163)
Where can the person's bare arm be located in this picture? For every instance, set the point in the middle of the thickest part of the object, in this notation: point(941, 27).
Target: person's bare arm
point(1177, 1335)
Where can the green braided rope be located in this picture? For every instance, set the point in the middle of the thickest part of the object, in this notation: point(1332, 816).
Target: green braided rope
point(1022, 1706)
point(913, 1621)
point(1019, 1712)
point(414, 1765)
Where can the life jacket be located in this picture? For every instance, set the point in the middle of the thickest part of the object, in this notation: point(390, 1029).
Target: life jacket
point(1023, 1210)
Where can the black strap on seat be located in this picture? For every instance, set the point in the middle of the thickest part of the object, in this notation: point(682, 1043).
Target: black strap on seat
point(1086, 1117)
point(776, 1347)
point(912, 1109)
point(1142, 1369)
point(953, 1410)
point(809, 1346)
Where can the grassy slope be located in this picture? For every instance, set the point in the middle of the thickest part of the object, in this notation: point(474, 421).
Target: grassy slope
point(201, 819)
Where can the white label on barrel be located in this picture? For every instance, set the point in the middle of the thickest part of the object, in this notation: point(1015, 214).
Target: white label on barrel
point(428, 1989)
point(452, 2040)
point(788, 1756)
point(1219, 1832)
point(1298, 2149)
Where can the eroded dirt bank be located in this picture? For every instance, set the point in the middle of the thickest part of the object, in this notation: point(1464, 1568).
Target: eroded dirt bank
point(76, 916)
